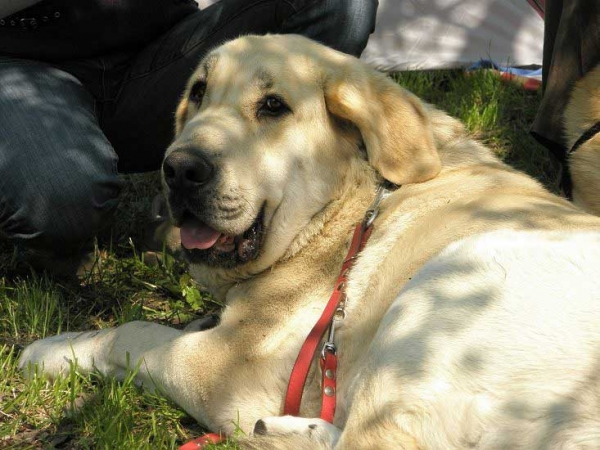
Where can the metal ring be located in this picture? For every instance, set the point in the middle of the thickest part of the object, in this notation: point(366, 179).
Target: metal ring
point(339, 314)
point(328, 347)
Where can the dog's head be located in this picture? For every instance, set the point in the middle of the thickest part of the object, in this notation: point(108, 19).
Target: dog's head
point(268, 132)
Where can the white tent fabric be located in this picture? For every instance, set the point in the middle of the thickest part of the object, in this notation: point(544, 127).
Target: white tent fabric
point(436, 34)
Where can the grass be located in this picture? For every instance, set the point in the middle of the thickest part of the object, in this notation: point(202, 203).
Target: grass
point(81, 412)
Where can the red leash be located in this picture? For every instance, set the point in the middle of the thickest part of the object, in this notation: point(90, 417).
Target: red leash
point(334, 310)
point(203, 441)
point(328, 355)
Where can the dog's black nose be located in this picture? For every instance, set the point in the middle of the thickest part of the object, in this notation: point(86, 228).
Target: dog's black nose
point(187, 168)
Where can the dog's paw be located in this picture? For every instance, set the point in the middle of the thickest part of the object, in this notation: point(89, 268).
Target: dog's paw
point(317, 429)
point(55, 355)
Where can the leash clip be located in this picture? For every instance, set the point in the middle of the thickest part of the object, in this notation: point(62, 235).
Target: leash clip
point(373, 210)
point(329, 345)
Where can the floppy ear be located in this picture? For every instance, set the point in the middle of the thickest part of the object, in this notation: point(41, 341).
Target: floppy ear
point(393, 122)
point(181, 114)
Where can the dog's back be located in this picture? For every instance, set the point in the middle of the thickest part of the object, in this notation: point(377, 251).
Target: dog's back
point(499, 333)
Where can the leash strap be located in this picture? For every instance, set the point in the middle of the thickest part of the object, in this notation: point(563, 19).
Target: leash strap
point(203, 441)
point(303, 362)
point(328, 397)
point(336, 303)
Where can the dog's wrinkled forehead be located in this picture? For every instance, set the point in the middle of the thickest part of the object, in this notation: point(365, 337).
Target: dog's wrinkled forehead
point(264, 62)
point(225, 70)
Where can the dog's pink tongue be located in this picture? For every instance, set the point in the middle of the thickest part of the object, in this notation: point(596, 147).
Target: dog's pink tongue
point(196, 235)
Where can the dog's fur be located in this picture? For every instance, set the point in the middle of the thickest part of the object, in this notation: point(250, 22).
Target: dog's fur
point(472, 314)
point(583, 112)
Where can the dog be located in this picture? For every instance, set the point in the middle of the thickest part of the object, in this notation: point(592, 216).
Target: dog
point(582, 124)
point(471, 315)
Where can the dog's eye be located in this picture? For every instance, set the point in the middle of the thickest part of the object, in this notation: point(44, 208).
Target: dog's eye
point(272, 106)
point(197, 92)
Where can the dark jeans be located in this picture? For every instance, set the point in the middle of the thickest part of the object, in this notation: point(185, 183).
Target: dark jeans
point(67, 129)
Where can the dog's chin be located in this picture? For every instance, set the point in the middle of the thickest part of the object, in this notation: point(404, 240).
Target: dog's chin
point(205, 245)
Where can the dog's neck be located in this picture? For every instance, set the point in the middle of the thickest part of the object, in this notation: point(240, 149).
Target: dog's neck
point(337, 219)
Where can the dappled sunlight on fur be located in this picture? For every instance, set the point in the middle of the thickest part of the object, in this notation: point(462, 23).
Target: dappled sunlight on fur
point(471, 315)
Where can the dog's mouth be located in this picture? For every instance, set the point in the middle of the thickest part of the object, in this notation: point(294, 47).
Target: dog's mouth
point(206, 245)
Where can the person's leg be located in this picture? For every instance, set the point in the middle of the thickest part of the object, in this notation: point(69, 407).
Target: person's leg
point(344, 25)
point(58, 173)
point(139, 123)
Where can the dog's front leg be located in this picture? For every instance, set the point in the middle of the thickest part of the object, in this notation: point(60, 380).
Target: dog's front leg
point(197, 370)
point(157, 353)
point(111, 351)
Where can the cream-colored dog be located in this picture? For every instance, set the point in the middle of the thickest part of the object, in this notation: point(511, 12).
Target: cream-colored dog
point(472, 315)
point(581, 115)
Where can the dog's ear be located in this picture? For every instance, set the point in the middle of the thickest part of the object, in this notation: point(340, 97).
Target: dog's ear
point(181, 114)
point(393, 122)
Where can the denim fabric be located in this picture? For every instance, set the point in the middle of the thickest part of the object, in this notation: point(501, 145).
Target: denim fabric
point(138, 120)
point(63, 125)
point(58, 172)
